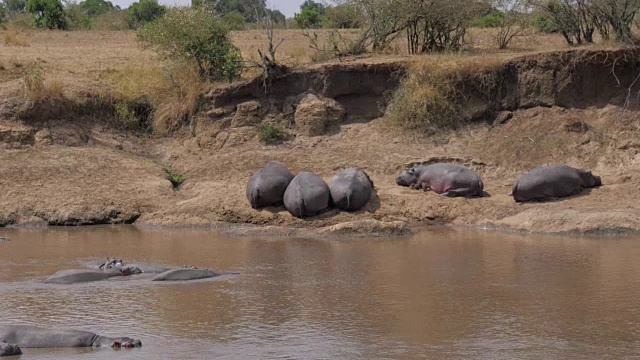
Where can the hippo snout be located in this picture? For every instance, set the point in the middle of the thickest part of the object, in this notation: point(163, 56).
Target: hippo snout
point(126, 343)
point(598, 180)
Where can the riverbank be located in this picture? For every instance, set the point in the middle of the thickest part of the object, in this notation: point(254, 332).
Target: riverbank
point(69, 171)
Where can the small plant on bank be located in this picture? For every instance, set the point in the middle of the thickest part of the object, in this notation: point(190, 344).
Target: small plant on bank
point(37, 88)
point(270, 134)
point(175, 179)
point(195, 35)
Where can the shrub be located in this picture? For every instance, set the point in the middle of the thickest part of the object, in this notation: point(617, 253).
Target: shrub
point(194, 35)
point(175, 179)
point(37, 88)
point(431, 97)
point(21, 21)
point(144, 12)
point(235, 20)
point(94, 8)
point(76, 17)
point(489, 21)
point(343, 16)
point(544, 23)
point(47, 13)
point(112, 20)
point(270, 135)
point(310, 16)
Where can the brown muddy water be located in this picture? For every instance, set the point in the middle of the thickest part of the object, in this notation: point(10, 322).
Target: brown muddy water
point(441, 294)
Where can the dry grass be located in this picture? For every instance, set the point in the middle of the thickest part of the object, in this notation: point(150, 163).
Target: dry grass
point(14, 38)
point(111, 65)
point(431, 97)
point(39, 88)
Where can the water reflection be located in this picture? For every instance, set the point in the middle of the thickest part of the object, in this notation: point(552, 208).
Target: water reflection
point(441, 294)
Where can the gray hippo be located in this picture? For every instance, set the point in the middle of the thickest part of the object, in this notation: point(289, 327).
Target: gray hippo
point(27, 336)
point(267, 186)
point(552, 182)
point(185, 274)
point(9, 349)
point(350, 189)
point(82, 275)
point(306, 195)
point(115, 263)
point(444, 179)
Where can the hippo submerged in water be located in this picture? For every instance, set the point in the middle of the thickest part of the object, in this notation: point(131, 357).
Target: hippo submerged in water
point(27, 336)
point(267, 186)
point(116, 267)
point(350, 189)
point(306, 195)
point(444, 179)
point(552, 182)
point(9, 349)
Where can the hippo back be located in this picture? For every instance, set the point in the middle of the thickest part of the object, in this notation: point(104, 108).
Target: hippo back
point(550, 181)
point(267, 186)
point(77, 276)
point(27, 336)
point(451, 179)
point(350, 189)
point(306, 195)
point(185, 274)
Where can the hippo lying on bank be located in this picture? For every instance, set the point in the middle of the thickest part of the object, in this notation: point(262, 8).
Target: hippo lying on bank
point(27, 336)
point(306, 195)
point(9, 349)
point(267, 186)
point(350, 189)
point(444, 179)
point(185, 274)
point(552, 182)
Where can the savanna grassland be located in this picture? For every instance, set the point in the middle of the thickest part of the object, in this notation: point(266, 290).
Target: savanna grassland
point(69, 103)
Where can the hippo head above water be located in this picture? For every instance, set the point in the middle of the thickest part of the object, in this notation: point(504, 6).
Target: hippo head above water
point(126, 343)
point(407, 177)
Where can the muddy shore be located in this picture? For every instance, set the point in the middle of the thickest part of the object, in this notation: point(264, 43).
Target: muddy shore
point(64, 171)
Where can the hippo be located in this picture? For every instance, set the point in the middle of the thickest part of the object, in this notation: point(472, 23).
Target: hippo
point(267, 186)
point(27, 336)
point(116, 263)
point(185, 274)
point(306, 195)
point(82, 275)
point(444, 179)
point(552, 182)
point(9, 349)
point(350, 189)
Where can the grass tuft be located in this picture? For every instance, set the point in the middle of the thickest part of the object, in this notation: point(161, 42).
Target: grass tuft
point(433, 95)
point(38, 88)
point(13, 38)
point(175, 179)
point(270, 134)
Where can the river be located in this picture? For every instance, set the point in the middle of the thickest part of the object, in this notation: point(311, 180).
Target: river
point(440, 294)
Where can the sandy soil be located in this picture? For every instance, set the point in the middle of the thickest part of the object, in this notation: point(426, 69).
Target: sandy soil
point(107, 177)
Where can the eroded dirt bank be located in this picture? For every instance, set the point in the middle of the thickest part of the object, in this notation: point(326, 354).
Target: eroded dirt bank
point(562, 107)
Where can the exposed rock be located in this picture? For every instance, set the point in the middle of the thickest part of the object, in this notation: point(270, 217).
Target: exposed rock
point(16, 136)
point(247, 114)
point(577, 127)
point(316, 115)
point(368, 227)
point(215, 113)
point(9, 349)
point(503, 117)
point(43, 137)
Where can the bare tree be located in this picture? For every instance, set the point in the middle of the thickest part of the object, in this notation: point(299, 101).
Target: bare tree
point(513, 22)
point(618, 15)
point(271, 68)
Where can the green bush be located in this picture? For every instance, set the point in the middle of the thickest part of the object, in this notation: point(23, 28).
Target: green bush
point(545, 24)
point(144, 11)
point(76, 17)
point(235, 20)
point(492, 20)
point(311, 15)
point(270, 135)
point(197, 35)
point(47, 13)
point(94, 8)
